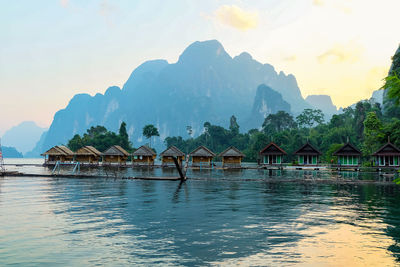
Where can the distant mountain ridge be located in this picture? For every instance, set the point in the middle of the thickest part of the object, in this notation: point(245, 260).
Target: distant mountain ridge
point(324, 103)
point(266, 101)
point(11, 152)
point(23, 137)
point(205, 84)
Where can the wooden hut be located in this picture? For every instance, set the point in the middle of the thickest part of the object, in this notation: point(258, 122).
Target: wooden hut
point(202, 156)
point(144, 155)
point(387, 156)
point(348, 155)
point(87, 154)
point(58, 153)
point(231, 157)
point(308, 155)
point(272, 154)
point(115, 154)
point(168, 154)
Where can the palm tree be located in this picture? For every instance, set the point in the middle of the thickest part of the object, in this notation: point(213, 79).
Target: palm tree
point(149, 131)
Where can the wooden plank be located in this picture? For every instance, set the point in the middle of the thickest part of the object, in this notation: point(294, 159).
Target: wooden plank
point(158, 178)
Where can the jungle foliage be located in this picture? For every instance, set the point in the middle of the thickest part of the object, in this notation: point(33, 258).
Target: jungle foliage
point(100, 138)
point(365, 126)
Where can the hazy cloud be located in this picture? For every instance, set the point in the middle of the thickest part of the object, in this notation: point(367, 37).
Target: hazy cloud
point(318, 2)
point(350, 52)
point(342, 5)
point(236, 17)
point(290, 58)
point(64, 3)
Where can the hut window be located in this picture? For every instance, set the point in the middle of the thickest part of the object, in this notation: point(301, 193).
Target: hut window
point(381, 161)
point(314, 159)
point(140, 157)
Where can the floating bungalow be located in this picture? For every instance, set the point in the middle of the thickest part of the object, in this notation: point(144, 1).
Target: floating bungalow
point(87, 154)
point(202, 156)
point(168, 154)
point(144, 155)
point(272, 154)
point(387, 156)
point(115, 154)
point(307, 155)
point(231, 157)
point(348, 155)
point(58, 153)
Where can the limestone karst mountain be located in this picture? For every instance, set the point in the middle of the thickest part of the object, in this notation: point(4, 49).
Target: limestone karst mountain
point(205, 84)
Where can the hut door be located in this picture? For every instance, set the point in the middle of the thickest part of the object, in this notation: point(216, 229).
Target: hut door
point(386, 160)
point(271, 159)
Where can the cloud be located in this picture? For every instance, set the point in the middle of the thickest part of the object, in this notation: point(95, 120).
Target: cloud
point(339, 53)
point(342, 5)
point(64, 3)
point(236, 17)
point(290, 58)
point(318, 2)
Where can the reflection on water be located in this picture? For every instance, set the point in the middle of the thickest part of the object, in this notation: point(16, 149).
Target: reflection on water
point(224, 218)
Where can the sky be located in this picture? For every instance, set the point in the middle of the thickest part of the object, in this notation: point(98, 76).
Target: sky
point(51, 50)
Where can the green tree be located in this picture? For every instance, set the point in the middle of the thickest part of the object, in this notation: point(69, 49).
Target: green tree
point(310, 117)
point(149, 131)
point(278, 122)
point(124, 138)
point(95, 131)
point(329, 158)
point(392, 85)
point(100, 138)
point(75, 143)
point(373, 133)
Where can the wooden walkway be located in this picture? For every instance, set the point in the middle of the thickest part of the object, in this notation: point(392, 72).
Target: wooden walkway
point(307, 180)
point(218, 167)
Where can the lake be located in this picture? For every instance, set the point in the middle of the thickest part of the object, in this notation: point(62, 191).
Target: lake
point(216, 218)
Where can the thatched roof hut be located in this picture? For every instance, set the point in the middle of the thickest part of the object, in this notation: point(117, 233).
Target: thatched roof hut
point(144, 155)
point(115, 154)
point(168, 154)
point(87, 154)
point(231, 157)
point(202, 156)
point(58, 153)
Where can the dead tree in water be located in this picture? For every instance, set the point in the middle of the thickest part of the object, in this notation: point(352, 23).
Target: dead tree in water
point(182, 173)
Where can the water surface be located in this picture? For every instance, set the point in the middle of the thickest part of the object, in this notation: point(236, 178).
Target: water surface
point(222, 218)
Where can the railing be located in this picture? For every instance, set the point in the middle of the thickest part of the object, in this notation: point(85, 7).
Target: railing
point(75, 170)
